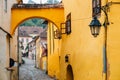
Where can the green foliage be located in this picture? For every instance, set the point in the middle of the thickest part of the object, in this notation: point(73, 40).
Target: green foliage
point(52, 1)
point(31, 2)
point(34, 22)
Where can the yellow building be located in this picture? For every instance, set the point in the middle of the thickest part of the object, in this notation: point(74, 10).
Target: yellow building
point(37, 53)
point(43, 45)
point(41, 51)
point(85, 56)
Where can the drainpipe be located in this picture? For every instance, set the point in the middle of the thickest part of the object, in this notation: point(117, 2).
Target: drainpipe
point(105, 69)
point(105, 54)
point(105, 58)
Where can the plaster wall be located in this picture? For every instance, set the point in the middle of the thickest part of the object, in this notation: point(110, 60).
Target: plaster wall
point(4, 58)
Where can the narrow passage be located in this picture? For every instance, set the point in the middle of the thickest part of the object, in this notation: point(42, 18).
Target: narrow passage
point(28, 71)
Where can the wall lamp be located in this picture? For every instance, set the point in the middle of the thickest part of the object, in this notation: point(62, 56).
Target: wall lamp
point(95, 23)
point(95, 26)
point(57, 34)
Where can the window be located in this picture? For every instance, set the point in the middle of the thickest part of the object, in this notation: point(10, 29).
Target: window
point(68, 24)
point(96, 7)
point(5, 9)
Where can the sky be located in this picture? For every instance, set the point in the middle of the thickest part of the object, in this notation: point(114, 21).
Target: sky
point(37, 1)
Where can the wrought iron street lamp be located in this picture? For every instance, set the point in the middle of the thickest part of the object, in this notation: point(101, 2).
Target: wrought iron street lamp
point(95, 26)
point(95, 23)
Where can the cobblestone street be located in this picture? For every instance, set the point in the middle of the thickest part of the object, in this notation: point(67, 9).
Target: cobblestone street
point(27, 71)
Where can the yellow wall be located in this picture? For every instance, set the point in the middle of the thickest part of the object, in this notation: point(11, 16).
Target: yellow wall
point(44, 63)
point(41, 61)
point(113, 42)
point(40, 56)
point(85, 51)
point(38, 53)
point(53, 52)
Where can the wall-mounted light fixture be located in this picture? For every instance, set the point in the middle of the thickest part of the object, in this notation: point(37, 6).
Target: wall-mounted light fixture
point(95, 27)
point(57, 34)
point(95, 23)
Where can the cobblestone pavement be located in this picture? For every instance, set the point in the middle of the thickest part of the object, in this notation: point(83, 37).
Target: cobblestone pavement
point(27, 71)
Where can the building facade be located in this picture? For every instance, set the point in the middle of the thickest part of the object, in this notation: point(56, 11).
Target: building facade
point(41, 51)
point(5, 40)
point(83, 56)
point(26, 35)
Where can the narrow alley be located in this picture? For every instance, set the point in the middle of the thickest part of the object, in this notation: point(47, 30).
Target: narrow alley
point(28, 71)
point(59, 40)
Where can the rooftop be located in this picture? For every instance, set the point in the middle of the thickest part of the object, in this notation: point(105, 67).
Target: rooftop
point(25, 31)
point(37, 6)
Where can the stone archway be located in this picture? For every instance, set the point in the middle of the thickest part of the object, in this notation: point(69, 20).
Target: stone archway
point(22, 13)
point(70, 75)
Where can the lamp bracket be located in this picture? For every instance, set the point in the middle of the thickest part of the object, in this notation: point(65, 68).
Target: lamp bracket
point(105, 9)
point(109, 4)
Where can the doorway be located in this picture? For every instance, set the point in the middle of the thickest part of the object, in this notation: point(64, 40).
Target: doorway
point(70, 75)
